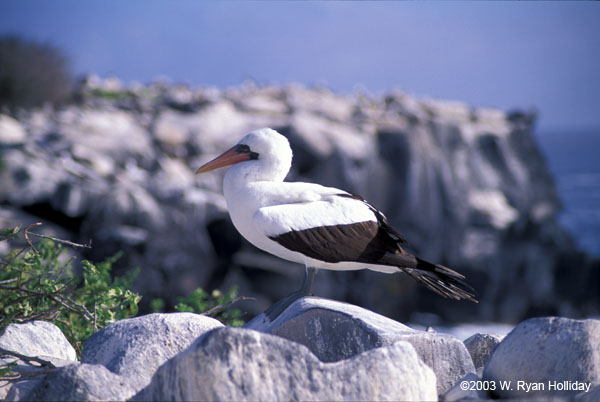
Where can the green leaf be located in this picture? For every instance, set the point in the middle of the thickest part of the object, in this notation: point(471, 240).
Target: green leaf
point(11, 233)
point(7, 369)
point(41, 284)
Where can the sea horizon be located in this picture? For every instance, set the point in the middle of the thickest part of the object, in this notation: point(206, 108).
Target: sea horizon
point(573, 159)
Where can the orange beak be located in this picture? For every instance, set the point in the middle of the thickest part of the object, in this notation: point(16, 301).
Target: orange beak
point(235, 155)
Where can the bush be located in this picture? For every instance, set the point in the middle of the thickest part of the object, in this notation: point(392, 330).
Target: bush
point(213, 304)
point(38, 283)
point(32, 74)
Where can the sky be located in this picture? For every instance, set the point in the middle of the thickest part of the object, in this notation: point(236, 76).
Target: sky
point(502, 54)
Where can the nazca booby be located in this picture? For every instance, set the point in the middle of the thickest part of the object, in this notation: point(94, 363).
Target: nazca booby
point(320, 227)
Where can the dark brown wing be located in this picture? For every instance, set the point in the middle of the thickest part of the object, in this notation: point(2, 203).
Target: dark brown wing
point(359, 242)
point(378, 243)
point(381, 218)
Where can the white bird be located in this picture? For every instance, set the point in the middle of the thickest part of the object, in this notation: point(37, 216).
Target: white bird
point(320, 227)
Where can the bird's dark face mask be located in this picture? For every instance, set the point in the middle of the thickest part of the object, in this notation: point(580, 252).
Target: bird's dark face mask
point(236, 154)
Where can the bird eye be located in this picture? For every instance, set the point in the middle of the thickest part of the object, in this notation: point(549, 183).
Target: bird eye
point(242, 149)
point(245, 149)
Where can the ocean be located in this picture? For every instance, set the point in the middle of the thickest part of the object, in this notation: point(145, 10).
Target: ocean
point(574, 159)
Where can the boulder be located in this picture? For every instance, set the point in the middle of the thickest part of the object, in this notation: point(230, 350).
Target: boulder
point(334, 331)
point(481, 346)
point(134, 348)
point(105, 131)
point(554, 356)
point(37, 338)
point(31, 374)
point(591, 395)
point(80, 382)
point(32, 339)
point(11, 131)
point(246, 365)
point(467, 388)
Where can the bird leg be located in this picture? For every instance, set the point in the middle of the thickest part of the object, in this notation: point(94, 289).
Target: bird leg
point(306, 290)
point(307, 283)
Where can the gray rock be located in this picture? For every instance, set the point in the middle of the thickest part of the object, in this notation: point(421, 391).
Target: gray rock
point(459, 393)
point(136, 347)
point(11, 217)
point(105, 131)
point(81, 382)
point(18, 391)
point(480, 347)
point(31, 376)
point(11, 131)
point(37, 338)
point(444, 353)
point(547, 351)
point(334, 331)
point(245, 365)
point(592, 395)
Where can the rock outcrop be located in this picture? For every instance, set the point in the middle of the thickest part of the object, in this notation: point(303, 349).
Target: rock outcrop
point(245, 365)
point(134, 348)
point(481, 346)
point(374, 358)
point(80, 382)
point(467, 186)
point(549, 356)
point(35, 339)
point(334, 331)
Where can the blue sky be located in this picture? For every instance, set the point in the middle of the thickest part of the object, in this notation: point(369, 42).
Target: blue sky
point(504, 54)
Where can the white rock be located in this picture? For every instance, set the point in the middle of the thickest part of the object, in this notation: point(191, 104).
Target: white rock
point(542, 352)
point(11, 131)
point(591, 395)
point(37, 338)
point(113, 132)
point(31, 377)
point(334, 331)
point(170, 127)
point(80, 382)
point(136, 347)
point(245, 365)
point(263, 103)
point(494, 204)
point(321, 102)
point(462, 392)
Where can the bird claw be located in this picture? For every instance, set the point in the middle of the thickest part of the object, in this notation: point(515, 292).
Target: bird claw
point(281, 305)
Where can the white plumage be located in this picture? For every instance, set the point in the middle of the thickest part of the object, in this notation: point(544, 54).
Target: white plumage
point(321, 227)
point(261, 204)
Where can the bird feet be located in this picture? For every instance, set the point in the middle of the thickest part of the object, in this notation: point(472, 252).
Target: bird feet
point(279, 307)
point(306, 290)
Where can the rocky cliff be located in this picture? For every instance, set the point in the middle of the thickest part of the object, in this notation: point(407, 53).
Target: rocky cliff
point(467, 187)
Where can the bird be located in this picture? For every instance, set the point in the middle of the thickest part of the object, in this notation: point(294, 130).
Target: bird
point(318, 226)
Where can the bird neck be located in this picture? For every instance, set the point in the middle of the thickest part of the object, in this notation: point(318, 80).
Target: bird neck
point(246, 173)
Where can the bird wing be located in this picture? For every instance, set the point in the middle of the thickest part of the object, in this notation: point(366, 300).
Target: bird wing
point(344, 227)
point(334, 229)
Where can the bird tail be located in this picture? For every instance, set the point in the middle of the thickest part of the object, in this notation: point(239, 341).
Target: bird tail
point(442, 280)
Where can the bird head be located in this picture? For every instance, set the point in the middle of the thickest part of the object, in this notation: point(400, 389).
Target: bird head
point(269, 150)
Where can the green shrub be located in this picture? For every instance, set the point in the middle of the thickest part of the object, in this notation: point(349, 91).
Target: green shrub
point(213, 304)
point(37, 283)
